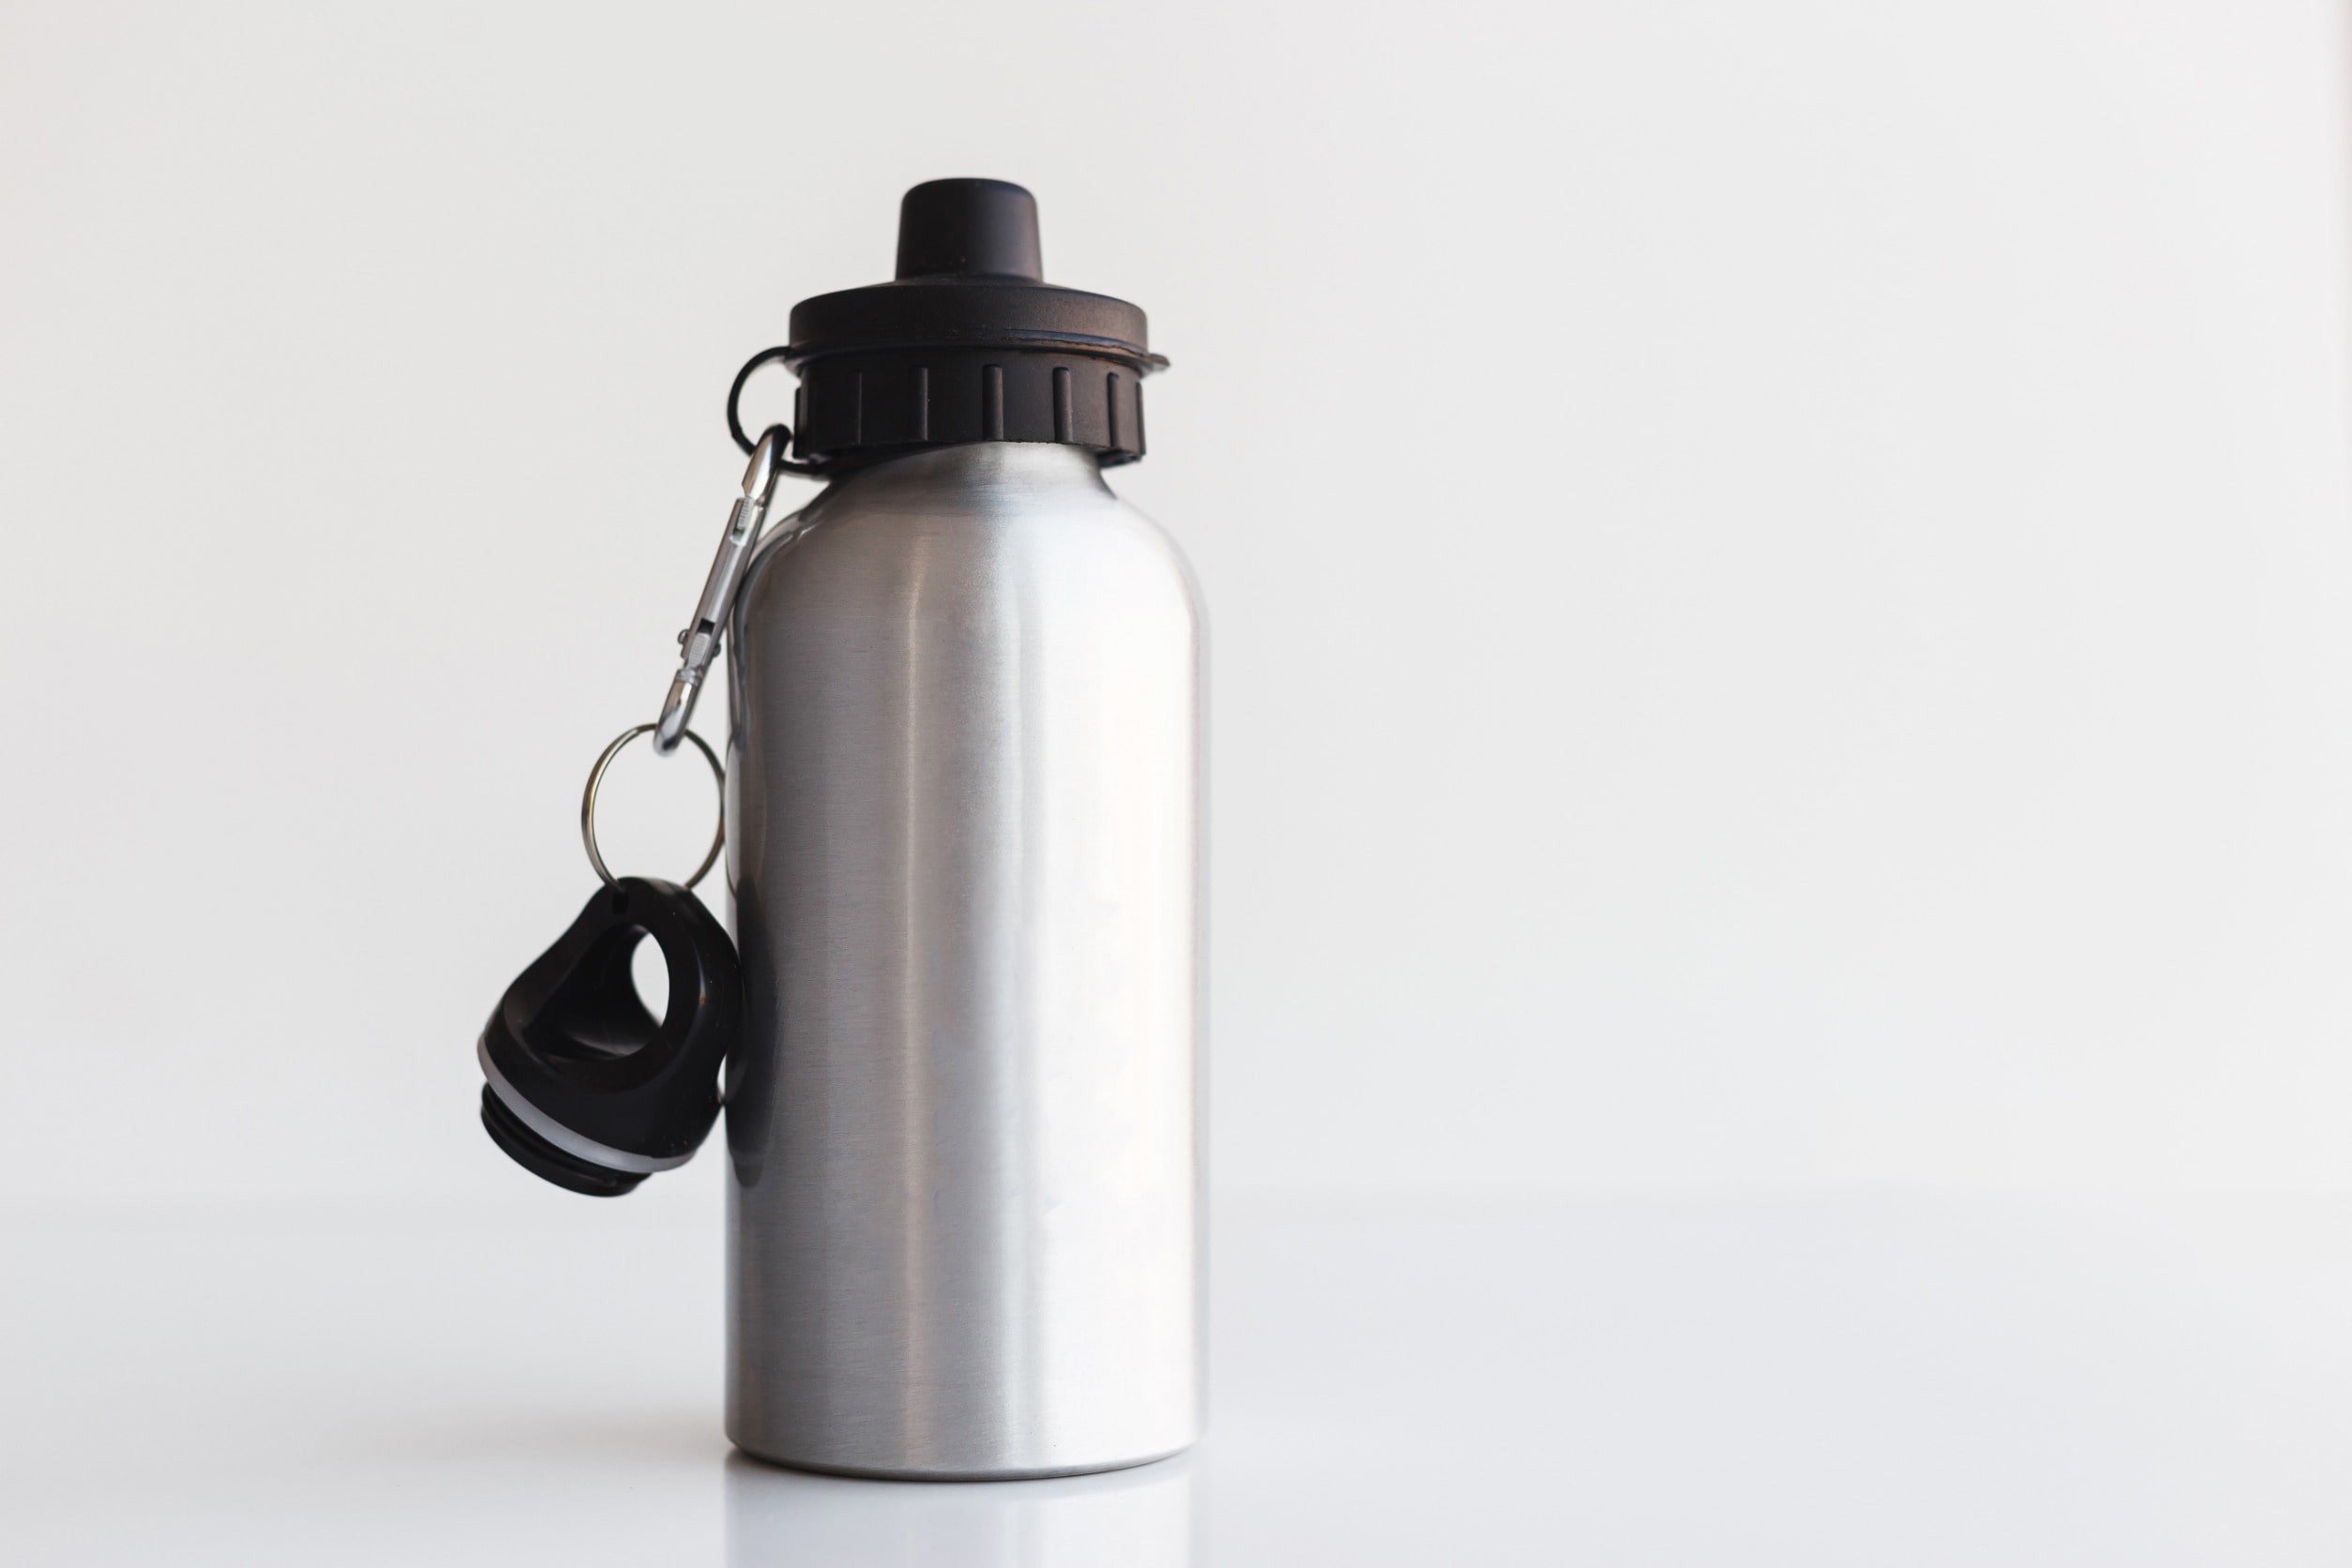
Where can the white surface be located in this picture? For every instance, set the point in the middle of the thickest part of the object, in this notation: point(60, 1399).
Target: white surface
point(1861, 695)
point(1890, 1378)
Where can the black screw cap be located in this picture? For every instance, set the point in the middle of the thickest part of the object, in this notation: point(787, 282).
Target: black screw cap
point(571, 1041)
point(967, 343)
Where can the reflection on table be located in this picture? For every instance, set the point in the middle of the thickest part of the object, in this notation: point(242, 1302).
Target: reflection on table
point(1144, 1517)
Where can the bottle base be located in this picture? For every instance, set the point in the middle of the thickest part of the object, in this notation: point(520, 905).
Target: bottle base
point(877, 1472)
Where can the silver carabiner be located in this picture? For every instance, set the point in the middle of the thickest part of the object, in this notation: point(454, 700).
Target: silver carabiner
point(698, 643)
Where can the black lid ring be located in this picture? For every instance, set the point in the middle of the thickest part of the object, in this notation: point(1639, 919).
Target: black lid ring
point(596, 781)
point(735, 399)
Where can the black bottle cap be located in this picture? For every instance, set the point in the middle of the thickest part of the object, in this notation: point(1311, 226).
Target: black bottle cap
point(967, 343)
point(587, 1090)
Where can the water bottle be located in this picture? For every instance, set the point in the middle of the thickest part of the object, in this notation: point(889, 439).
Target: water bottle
point(962, 836)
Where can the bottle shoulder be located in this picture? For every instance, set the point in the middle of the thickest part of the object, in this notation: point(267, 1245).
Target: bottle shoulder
point(1035, 521)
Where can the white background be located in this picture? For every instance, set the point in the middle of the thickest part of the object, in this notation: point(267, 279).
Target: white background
point(1781, 615)
point(1781, 603)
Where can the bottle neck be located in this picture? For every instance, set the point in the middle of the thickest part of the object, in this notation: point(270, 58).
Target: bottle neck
point(987, 467)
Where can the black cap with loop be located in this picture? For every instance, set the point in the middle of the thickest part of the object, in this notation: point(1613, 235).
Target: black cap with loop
point(584, 1087)
point(968, 343)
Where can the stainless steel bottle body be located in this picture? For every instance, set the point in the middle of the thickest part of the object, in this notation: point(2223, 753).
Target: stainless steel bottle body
point(964, 818)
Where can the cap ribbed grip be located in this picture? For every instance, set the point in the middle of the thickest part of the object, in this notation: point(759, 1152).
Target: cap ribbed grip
point(859, 402)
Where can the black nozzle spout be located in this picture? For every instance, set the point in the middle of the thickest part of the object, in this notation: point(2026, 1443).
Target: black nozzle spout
point(967, 227)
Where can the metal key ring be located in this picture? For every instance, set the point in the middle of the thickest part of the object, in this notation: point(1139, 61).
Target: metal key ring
point(595, 780)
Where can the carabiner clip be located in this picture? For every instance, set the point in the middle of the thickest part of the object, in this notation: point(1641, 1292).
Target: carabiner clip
point(698, 643)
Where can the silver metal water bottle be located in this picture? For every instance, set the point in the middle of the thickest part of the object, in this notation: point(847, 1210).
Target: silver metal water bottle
point(964, 845)
point(960, 1014)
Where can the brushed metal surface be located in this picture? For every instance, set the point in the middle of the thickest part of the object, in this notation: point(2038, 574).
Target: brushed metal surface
point(965, 1206)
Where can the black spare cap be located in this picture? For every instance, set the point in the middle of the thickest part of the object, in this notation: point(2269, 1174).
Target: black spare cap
point(969, 342)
